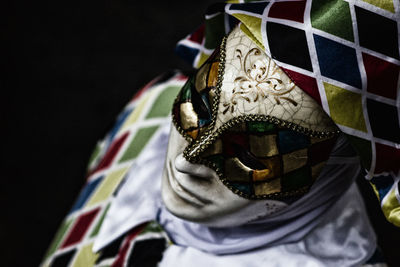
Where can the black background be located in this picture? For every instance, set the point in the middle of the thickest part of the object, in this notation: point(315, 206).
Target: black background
point(68, 68)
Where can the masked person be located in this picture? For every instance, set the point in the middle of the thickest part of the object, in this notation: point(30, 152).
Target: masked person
point(252, 171)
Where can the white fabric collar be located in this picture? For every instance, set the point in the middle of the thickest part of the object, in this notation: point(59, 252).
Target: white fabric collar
point(328, 244)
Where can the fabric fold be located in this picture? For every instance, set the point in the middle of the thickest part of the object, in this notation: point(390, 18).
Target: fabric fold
point(330, 215)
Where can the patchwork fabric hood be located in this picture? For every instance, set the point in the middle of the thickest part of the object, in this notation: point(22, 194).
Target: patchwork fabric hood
point(345, 55)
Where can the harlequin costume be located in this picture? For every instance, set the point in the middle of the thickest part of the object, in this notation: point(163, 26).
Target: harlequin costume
point(121, 237)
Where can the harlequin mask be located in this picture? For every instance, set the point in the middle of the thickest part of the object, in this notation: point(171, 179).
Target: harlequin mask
point(245, 118)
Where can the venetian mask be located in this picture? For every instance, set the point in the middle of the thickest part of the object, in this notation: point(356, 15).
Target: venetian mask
point(244, 119)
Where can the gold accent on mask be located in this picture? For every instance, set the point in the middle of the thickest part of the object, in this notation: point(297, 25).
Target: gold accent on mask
point(213, 75)
point(201, 78)
point(259, 80)
point(267, 188)
point(258, 145)
point(261, 175)
point(294, 160)
point(236, 170)
point(188, 116)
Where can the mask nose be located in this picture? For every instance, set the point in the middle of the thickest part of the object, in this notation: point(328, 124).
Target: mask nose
point(195, 170)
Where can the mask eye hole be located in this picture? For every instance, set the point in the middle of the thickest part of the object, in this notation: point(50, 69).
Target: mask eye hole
point(247, 158)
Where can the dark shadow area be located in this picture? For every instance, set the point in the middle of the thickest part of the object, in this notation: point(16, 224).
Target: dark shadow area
point(388, 235)
point(68, 69)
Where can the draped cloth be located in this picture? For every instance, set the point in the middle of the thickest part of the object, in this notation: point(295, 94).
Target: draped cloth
point(331, 215)
point(344, 54)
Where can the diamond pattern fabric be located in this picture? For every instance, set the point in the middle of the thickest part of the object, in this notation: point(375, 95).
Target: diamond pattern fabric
point(139, 141)
point(80, 227)
point(138, 122)
point(289, 45)
point(382, 185)
point(111, 152)
point(59, 237)
point(384, 4)
point(63, 259)
point(344, 54)
point(255, 8)
point(306, 83)
point(86, 193)
point(381, 152)
point(384, 128)
point(377, 33)
point(107, 186)
point(333, 18)
point(288, 10)
point(382, 76)
point(337, 61)
point(85, 256)
point(340, 99)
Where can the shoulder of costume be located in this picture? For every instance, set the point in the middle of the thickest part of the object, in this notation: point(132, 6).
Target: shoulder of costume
point(112, 158)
